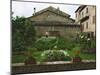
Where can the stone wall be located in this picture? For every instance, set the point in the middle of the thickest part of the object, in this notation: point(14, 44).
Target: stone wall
point(50, 20)
point(52, 68)
point(64, 31)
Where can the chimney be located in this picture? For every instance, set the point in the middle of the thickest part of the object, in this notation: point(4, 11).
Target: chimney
point(34, 11)
point(58, 9)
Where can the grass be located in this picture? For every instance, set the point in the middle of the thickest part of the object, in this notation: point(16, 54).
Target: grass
point(21, 58)
point(18, 58)
point(84, 56)
point(37, 56)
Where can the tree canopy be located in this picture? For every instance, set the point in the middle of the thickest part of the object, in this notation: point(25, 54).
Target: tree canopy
point(23, 34)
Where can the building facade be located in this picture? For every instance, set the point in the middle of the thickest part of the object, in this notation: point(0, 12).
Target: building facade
point(86, 17)
point(53, 21)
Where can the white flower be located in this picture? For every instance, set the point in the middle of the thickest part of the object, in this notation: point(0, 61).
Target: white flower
point(82, 37)
point(55, 46)
point(88, 39)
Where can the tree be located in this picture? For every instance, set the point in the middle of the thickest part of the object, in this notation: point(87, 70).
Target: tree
point(23, 34)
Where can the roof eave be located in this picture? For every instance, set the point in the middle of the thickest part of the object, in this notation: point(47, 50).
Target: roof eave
point(80, 8)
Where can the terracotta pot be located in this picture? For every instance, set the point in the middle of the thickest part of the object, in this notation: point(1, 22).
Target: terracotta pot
point(30, 61)
point(77, 59)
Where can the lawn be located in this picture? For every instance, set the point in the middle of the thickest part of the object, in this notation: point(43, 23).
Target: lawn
point(37, 56)
point(84, 56)
point(21, 58)
point(18, 58)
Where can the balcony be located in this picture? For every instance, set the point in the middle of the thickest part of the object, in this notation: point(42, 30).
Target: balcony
point(84, 18)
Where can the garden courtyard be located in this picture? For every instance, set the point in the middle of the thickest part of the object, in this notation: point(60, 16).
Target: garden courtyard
point(51, 49)
point(28, 48)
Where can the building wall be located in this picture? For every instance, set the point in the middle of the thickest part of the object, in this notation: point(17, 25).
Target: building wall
point(67, 32)
point(91, 20)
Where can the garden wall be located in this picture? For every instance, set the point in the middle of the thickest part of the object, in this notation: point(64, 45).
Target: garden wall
point(52, 68)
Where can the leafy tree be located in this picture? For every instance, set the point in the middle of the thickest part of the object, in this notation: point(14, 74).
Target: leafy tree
point(23, 34)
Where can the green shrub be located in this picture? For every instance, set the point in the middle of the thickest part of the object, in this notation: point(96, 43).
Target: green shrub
point(93, 43)
point(76, 48)
point(63, 43)
point(45, 43)
point(85, 41)
point(73, 51)
point(50, 42)
point(55, 55)
point(23, 34)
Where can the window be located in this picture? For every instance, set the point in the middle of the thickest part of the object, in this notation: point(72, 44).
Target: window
point(82, 13)
point(93, 19)
point(76, 15)
point(79, 14)
point(86, 25)
point(90, 35)
point(94, 6)
point(86, 10)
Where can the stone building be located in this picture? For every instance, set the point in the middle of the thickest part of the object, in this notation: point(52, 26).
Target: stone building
point(54, 22)
point(86, 17)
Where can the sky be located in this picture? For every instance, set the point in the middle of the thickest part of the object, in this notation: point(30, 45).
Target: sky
point(26, 9)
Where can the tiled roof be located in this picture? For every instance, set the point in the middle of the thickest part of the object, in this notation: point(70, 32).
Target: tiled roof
point(54, 10)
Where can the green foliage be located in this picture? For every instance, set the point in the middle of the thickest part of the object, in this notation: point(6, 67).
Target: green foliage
point(23, 34)
point(86, 56)
point(18, 58)
point(93, 43)
point(76, 48)
point(55, 55)
point(30, 60)
point(85, 41)
point(74, 51)
point(49, 43)
point(64, 43)
point(39, 58)
point(45, 43)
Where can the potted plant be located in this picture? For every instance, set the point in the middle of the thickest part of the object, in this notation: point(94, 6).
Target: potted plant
point(30, 59)
point(77, 58)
